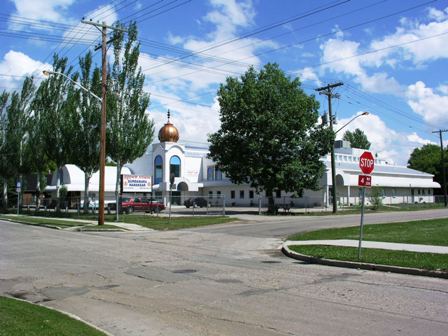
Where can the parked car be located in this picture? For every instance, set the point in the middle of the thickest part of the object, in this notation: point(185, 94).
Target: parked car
point(195, 202)
point(129, 205)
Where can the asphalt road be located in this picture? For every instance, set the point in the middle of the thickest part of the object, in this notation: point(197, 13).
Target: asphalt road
point(283, 226)
point(207, 282)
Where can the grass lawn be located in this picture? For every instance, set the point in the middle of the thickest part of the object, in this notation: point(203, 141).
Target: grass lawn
point(152, 222)
point(58, 223)
point(429, 232)
point(23, 318)
point(430, 261)
point(163, 223)
point(368, 209)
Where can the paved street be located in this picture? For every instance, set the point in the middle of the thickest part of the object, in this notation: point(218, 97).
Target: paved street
point(222, 280)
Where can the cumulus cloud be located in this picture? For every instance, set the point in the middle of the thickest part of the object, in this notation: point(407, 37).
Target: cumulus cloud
point(308, 74)
point(427, 103)
point(338, 56)
point(428, 49)
point(390, 145)
point(48, 10)
point(169, 80)
point(18, 64)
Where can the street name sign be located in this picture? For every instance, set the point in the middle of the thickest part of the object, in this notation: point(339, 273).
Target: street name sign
point(366, 163)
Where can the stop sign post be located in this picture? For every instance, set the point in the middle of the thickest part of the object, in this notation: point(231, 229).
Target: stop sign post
point(367, 164)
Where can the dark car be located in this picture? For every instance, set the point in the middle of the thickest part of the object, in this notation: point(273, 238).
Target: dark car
point(196, 202)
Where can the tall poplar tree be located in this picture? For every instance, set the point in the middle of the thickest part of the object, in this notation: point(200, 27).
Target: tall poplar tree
point(269, 136)
point(5, 168)
point(51, 105)
point(85, 113)
point(130, 130)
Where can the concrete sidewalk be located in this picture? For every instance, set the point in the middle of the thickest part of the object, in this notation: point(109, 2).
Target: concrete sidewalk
point(373, 244)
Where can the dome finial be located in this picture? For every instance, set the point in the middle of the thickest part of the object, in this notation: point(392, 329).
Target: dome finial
point(169, 115)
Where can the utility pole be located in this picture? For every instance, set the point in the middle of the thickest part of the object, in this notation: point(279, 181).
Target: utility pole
point(102, 27)
point(442, 163)
point(327, 90)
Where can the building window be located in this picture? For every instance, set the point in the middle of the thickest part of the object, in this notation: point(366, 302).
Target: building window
point(218, 174)
point(210, 194)
point(241, 193)
point(175, 166)
point(251, 194)
point(232, 194)
point(278, 193)
point(210, 173)
point(218, 194)
point(158, 169)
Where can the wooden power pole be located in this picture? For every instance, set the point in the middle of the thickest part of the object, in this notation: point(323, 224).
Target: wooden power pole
point(327, 90)
point(102, 27)
point(442, 164)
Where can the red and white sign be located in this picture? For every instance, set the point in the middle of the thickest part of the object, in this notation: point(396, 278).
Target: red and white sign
point(364, 181)
point(366, 162)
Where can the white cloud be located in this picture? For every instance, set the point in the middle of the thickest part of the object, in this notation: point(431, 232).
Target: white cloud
point(337, 56)
point(428, 49)
point(18, 64)
point(425, 102)
point(308, 74)
point(182, 80)
point(390, 145)
point(48, 10)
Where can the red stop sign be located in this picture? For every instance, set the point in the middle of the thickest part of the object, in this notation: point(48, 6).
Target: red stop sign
point(366, 162)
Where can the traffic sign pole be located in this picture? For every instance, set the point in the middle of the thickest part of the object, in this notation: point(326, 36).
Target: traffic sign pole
point(363, 196)
point(366, 164)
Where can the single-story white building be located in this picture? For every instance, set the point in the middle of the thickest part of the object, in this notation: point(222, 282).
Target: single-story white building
point(195, 175)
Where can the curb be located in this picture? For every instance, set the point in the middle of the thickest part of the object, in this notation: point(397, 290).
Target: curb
point(360, 265)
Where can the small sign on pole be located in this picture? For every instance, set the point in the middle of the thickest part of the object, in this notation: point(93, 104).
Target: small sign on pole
point(367, 164)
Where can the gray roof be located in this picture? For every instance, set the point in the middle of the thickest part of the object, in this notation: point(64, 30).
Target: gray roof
point(381, 169)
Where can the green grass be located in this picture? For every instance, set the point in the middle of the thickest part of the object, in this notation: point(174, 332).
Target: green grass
point(429, 232)
point(163, 223)
point(18, 318)
point(152, 222)
point(368, 209)
point(429, 261)
point(43, 221)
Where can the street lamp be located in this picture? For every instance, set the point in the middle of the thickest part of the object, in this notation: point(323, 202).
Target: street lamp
point(333, 163)
point(355, 117)
point(102, 142)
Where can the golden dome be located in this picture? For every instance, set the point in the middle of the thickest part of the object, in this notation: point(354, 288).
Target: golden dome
point(168, 133)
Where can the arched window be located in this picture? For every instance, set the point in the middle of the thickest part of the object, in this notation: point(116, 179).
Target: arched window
point(175, 166)
point(158, 169)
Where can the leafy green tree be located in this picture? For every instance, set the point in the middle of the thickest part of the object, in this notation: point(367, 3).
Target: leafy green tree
point(5, 168)
point(51, 104)
point(16, 138)
point(85, 113)
point(269, 135)
point(427, 159)
point(130, 131)
point(357, 139)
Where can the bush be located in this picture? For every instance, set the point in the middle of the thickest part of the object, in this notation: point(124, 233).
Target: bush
point(376, 198)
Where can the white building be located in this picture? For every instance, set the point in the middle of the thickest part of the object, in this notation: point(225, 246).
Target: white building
point(196, 175)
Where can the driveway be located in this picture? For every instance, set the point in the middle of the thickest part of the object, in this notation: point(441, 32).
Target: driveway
point(211, 282)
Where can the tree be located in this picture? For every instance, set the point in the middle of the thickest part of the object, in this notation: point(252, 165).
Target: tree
point(427, 159)
point(269, 135)
point(5, 170)
point(85, 112)
point(357, 139)
point(52, 105)
point(130, 131)
point(16, 132)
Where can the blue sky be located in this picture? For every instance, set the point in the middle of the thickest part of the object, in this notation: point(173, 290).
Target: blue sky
point(391, 56)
